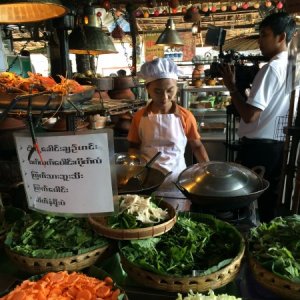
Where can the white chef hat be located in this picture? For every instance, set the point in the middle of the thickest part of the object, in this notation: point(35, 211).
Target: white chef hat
point(159, 68)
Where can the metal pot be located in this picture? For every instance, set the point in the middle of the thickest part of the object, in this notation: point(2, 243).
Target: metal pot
point(220, 185)
point(152, 180)
point(129, 165)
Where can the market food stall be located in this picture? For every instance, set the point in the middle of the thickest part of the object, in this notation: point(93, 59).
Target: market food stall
point(81, 234)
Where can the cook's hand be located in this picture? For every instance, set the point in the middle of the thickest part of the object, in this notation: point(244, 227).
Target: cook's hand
point(228, 73)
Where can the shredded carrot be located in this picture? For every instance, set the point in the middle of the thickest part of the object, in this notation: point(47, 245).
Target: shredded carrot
point(64, 286)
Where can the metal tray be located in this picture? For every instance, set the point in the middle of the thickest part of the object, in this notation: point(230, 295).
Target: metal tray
point(40, 100)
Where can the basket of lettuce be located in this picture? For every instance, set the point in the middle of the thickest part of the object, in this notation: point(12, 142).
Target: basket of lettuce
point(138, 217)
point(274, 256)
point(40, 243)
point(199, 253)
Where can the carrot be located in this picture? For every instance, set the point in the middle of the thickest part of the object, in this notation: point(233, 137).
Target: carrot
point(84, 295)
point(103, 291)
point(64, 286)
point(115, 294)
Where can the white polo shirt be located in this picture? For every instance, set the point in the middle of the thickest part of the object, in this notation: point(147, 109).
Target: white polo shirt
point(268, 93)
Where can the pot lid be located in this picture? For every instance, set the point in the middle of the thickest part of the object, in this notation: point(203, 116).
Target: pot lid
point(219, 179)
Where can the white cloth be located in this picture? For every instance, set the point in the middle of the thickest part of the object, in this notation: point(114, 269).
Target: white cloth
point(159, 68)
point(165, 133)
point(269, 94)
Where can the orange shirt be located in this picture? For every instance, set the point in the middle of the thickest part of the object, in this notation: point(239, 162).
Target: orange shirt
point(187, 119)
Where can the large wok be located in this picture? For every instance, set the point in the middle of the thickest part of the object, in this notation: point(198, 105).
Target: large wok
point(220, 185)
point(151, 179)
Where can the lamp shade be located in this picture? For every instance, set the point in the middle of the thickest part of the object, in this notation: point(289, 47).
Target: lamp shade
point(29, 11)
point(90, 40)
point(169, 36)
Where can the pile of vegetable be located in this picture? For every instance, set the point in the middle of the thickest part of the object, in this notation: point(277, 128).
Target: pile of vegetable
point(191, 247)
point(276, 246)
point(61, 285)
point(45, 236)
point(211, 296)
point(137, 212)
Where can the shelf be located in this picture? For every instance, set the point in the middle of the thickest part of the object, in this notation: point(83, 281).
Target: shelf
point(215, 88)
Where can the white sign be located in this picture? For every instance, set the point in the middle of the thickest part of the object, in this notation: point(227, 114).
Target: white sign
point(75, 176)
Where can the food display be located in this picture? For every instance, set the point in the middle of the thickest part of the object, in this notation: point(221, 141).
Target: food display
point(13, 86)
point(66, 243)
point(274, 250)
point(136, 212)
point(211, 296)
point(35, 83)
point(137, 217)
point(194, 255)
point(63, 285)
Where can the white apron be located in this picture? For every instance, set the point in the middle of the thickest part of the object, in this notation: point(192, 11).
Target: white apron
point(165, 133)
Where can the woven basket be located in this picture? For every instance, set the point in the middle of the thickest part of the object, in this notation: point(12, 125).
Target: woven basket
point(99, 224)
point(184, 284)
point(284, 288)
point(43, 265)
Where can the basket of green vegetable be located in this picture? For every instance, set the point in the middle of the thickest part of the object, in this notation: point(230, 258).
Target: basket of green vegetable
point(139, 217)
point(274, 256)
point(42, 243)
point(199, 253)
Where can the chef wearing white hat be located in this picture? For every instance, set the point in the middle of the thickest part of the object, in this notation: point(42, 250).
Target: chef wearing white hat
point(163, 125)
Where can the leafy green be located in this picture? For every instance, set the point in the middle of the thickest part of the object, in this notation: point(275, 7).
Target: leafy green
point(45, 236)
point(276, 246)
point(189, 245)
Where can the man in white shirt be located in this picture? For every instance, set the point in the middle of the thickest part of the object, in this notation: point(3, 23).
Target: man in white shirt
point(267, 102)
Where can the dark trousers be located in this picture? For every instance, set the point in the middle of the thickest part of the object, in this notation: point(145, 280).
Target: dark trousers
point(267, 153)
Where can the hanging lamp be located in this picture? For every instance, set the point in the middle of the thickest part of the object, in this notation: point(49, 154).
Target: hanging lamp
point(30, 11)
point(88, 37)
point(169, 36)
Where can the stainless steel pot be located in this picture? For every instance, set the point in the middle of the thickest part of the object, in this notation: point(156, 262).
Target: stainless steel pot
point(127, 166)
point(151, 180)
point(220, 185)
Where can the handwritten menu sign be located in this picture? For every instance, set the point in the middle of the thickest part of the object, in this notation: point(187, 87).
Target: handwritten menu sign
point(75, 176)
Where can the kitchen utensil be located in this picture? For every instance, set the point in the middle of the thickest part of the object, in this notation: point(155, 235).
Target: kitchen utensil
point(220, 185)
point(137, 179)
point(151, 182)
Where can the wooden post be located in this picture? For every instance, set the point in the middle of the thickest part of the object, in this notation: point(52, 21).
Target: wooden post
point(130, 7)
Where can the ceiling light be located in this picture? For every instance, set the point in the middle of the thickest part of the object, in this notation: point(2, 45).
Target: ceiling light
point(90, 40)
point(29, 11)
point(169, 36)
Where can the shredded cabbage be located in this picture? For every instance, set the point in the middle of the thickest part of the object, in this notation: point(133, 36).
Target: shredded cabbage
point(211, 296)
point(144, 210)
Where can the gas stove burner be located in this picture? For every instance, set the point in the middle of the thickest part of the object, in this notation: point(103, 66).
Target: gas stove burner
point(231, 216)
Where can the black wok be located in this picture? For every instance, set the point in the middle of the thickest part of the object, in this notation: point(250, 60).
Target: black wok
point(150, 180)
point(211, 197)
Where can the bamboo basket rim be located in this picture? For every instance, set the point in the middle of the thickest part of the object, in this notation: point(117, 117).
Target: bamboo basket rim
point(35, 265)
point(99, 224)
point(184, 284)
point(276, 284)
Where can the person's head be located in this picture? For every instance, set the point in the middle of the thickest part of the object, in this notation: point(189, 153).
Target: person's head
point(275, 32)
point(121, 73)
point(24, 53)
point(161, 76)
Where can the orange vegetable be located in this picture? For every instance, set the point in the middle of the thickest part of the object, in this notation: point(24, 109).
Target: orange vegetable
point(64, 286)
